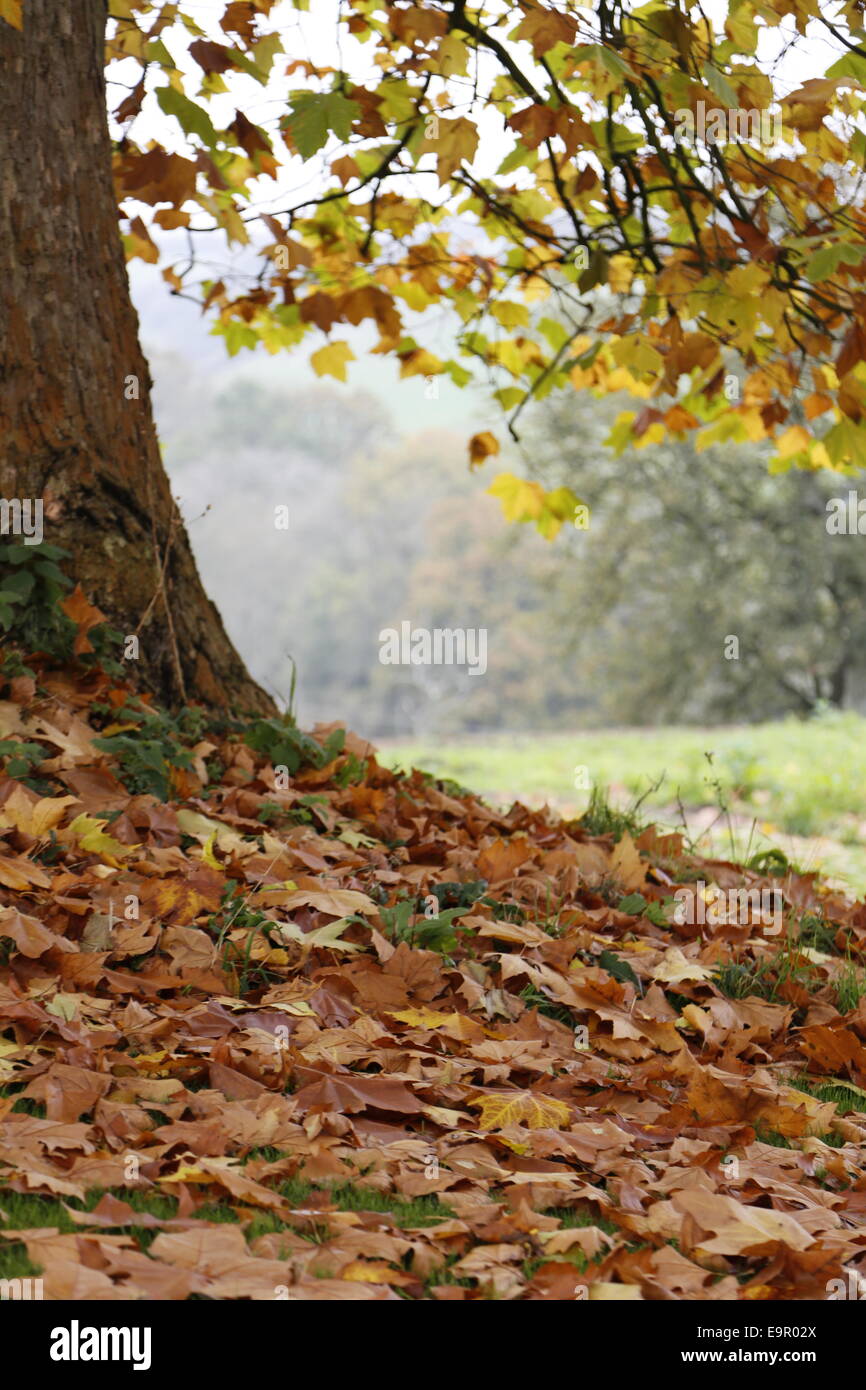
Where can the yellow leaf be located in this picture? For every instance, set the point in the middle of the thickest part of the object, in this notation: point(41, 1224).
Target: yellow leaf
point(209, 832)
point(522, 1108)
point(510, 315)
point(626, 865)
point(207, 853)
point(420, 362)
point(188, 1173)
point(792, 442)
point(10, 10)
point(620, 273)
point(92, 838)
point(368, 1272)
point(521, 500)
point(335, 901)
point(452, 142)
point(331, 360)
point(327, 936)
point(451, 57)
point(422, 1018)
point(34, 818)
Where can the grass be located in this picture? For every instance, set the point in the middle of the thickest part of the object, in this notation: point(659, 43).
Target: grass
point(743, 788)
point(765, 979)
point(27, 1211)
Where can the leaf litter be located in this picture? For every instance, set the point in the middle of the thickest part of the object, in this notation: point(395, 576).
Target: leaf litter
point(364, 1037)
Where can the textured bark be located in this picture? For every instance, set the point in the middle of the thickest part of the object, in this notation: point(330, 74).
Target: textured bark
point(68, 349)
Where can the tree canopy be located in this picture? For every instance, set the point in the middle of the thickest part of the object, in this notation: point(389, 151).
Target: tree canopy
point(645, 197)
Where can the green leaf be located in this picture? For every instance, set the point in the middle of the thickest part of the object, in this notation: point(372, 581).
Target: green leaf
point(315, 115)
point(827, 260)
point(156, 52)
point(720, 86)
point(634, 904)
point(17, 554)
point(193, 119)
point(851, 65)
point(618, 968)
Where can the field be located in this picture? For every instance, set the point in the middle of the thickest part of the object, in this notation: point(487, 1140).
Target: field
point(737, 789)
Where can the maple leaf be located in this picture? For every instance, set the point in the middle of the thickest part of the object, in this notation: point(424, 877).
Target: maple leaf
point(313, 116)
point(523, 1108)
point(332, 360)
point(85, 615)
point(328, 936)
point(37, 817)
point(335, 901)
point(93, 839)
point(30, 936)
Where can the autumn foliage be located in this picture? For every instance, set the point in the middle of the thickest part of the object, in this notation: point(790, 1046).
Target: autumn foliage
point(375, 1039)
point(618, 198)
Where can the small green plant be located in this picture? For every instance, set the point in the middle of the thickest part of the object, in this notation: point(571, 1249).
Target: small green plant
point(31, 587)
point(285, 745)
point(463, 895)
point(534, 999)
point(636, 905)
point(619, 969)
point(12, 665)
point(850, 987)
point(770, 861)
point(351, 772)
point(234, 915)
point(302, 813)
point(148, 754)
point(601, 818)
point(765, 979)
point(20, 758)
point(425, 933)
point(817, 933)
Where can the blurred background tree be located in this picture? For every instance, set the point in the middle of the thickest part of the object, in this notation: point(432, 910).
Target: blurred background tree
point(624, 623)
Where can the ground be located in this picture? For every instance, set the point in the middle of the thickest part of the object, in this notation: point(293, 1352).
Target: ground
point(798, 784)
point(279, 1023)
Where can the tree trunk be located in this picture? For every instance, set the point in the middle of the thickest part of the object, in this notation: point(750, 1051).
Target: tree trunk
point(76, 427)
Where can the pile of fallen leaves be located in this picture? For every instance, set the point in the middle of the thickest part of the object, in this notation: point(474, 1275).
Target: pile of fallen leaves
point(362, 1037)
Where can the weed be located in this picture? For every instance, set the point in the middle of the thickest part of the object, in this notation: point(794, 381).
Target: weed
point(764, 979)
point(150, 755)
point(425, 933)
point(815, 932)
point(636, 905)
point(534, 999)
point(285, 745)
point(601, 818)
point(850, 987)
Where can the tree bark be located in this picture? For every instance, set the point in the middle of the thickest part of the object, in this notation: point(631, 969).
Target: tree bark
point(72, 431)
